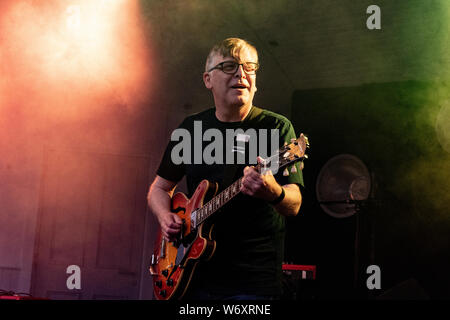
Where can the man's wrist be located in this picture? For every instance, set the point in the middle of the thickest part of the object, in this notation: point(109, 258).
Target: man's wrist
point(279, 198)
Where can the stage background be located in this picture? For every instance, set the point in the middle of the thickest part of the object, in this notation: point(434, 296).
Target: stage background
point(87, 85)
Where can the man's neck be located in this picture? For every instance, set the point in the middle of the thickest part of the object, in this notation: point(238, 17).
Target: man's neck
point(233, 114)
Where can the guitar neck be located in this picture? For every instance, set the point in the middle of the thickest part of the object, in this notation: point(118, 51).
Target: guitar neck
point(218, 201)
point(288, 154)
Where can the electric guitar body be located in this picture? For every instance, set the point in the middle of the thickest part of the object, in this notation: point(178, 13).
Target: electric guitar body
point(173, 263)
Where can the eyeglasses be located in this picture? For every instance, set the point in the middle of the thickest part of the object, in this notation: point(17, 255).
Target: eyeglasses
point(230, 67)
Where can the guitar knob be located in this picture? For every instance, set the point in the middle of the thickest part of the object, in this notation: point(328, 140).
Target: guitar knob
point(302, 165)
point(165, 272)
point(293, 169)
point(286, 172)
point(163, 293)
point(158, 283)
point(169, 282)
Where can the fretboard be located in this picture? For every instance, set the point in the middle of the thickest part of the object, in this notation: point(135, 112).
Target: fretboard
point(218, 201)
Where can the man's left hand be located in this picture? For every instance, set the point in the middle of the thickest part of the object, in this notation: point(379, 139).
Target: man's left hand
point(262, 186)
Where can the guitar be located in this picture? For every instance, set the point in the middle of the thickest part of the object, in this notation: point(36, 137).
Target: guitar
point(174, 263)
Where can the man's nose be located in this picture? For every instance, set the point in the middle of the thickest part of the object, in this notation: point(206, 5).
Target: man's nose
point(240, 73)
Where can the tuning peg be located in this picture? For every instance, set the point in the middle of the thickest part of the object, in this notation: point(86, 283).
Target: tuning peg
point(306, 156)
point(293, 169)
point(286, 172)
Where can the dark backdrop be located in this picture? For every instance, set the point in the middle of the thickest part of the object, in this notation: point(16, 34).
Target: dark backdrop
point(384, 125)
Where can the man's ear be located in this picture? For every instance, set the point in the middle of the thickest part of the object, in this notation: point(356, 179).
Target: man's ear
point(207, 80)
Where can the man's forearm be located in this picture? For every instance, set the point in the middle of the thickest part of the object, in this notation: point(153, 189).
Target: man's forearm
point(159, 200)
point(292, 201)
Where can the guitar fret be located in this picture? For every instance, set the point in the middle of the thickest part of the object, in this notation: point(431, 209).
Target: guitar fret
point(235, 188)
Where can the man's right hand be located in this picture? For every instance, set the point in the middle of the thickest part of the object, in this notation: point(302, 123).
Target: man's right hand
point(159, 197)
point(170, 225)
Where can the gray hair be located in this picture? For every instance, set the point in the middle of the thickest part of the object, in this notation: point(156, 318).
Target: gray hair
point(230, 47)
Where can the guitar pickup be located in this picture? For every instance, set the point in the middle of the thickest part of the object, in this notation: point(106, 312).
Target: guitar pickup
point(194, 219)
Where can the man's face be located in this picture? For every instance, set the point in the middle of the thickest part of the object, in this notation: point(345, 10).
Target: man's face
point(232, 90)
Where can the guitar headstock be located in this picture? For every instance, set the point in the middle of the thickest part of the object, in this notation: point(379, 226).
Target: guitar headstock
point(287, 155)
point(293, 152)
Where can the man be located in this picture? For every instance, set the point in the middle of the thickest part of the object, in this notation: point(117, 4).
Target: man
point(249, 231)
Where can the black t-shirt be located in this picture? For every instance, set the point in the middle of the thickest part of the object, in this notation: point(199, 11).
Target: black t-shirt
point(248, 231)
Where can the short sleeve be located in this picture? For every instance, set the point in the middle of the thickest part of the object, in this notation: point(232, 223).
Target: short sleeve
point(167, 168)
